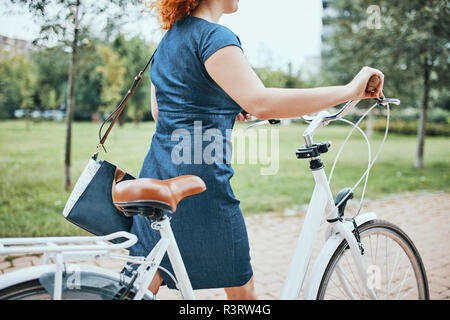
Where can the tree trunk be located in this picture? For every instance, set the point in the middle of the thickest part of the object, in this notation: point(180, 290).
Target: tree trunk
point(71, 102)
point(27, 119)
point(423, 115)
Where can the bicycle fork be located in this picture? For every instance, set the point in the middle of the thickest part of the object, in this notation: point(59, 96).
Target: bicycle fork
point(357, 257)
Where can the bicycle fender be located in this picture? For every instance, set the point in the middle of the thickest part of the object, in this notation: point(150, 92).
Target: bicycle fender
point(74, 275)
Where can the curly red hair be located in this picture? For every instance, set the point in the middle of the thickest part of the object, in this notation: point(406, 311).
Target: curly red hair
point(170, 11)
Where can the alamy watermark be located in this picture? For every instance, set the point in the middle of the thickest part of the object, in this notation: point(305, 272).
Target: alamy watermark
point(374, 17)
point(374, 277)
point(73, 281)
point(213, 146)
point(146, 4)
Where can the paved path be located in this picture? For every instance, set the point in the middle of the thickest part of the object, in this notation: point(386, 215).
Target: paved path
point(424, 217)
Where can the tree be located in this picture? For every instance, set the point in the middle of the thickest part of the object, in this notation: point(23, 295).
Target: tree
point(18, 85)
point(279, 79)
point(69, 22)
point(112, 71)
point(10, 82)
point(27, 87)
point(135, 53)
point(51, 68)
point(406, 39)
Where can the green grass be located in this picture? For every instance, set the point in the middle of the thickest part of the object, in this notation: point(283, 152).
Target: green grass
point(32, 194)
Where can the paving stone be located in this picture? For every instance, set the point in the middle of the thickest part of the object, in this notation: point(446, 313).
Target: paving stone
point(4, 265)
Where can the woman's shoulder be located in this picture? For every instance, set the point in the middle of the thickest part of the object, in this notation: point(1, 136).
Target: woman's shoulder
point(203, 29)
point(200, 35)
point(220, 31)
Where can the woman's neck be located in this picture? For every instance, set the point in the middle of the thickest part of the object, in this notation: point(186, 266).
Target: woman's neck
point(208, 10)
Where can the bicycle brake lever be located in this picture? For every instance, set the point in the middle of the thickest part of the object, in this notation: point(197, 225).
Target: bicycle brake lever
point(264, 122)
point(383, 101)
point(257, 124)
point(308, 119)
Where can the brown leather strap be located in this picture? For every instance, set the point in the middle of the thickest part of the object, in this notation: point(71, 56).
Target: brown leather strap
point(116, 113)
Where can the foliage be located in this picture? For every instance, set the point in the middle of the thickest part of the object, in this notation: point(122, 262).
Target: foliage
point(51, 72)
point(111, 70)
point(279, 79)
point(407, 33)
point(104, 73)
point(10, 83)
point(407, 39)
point(135, 53)
point(410, 128)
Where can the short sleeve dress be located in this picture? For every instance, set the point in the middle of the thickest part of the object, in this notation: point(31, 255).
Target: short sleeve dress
point(193, 136)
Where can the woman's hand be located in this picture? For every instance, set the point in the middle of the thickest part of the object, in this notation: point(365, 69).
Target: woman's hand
point(242, 116)
point(368, 83)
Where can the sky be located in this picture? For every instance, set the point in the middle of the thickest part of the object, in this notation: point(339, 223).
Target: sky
point(272, 33)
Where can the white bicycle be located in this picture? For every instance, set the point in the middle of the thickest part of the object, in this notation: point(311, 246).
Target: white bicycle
point(363, 257)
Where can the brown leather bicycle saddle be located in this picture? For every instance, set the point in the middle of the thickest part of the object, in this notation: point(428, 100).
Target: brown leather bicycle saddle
point(138, 195)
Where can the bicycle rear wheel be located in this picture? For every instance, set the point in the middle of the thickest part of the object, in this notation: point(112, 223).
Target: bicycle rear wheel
point(394, 267)
point(86, 283)
point(33, 290)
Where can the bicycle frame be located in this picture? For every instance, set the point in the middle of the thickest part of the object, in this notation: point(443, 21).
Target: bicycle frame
point(320, 204)
point(147, 270)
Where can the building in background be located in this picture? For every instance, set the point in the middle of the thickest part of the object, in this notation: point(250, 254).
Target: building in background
point(17, 45)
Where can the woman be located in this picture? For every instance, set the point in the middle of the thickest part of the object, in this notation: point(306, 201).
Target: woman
point(201, 80)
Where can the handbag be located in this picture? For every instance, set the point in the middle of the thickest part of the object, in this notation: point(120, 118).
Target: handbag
point(90, 205)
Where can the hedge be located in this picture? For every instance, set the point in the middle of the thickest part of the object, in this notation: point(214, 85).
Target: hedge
point(410, 127)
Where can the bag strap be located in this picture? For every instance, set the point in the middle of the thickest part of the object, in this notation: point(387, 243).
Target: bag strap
point(116, 113)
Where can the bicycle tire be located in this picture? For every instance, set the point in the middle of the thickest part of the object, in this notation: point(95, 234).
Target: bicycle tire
point(402, 240)
point(33, 290)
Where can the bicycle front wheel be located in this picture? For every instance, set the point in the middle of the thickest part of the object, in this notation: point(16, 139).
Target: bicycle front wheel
point(394, 267)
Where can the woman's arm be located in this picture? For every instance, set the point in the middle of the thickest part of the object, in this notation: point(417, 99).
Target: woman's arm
point(154, 104)
point(232, 72)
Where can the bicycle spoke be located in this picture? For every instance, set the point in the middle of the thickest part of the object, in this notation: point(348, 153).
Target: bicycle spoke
point(339, 287)
point(344, 282)
point(354, 278)
point(407, 293)
point(403, 282)
point(376, 251)
point(394, 270)
point(371, 251)
point(332, 295)
point(387, 270)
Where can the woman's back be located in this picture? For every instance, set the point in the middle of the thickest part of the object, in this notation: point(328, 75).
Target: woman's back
point(178, 72)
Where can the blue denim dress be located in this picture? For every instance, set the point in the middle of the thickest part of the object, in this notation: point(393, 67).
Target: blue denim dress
point(193, 136)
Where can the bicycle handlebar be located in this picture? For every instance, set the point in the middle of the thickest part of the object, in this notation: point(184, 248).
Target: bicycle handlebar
point(324, 118)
